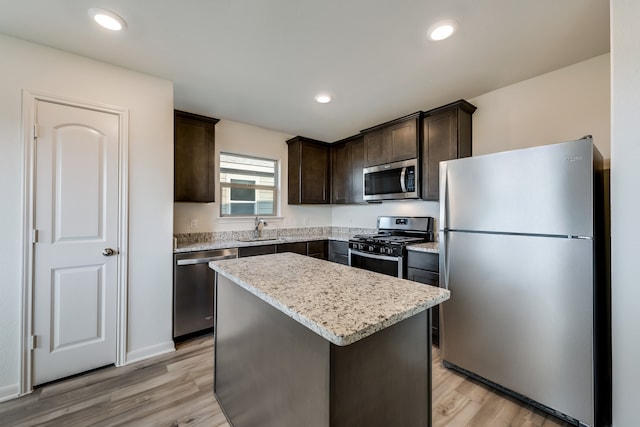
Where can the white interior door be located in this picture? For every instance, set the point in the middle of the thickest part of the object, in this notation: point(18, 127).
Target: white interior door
point(76, 218)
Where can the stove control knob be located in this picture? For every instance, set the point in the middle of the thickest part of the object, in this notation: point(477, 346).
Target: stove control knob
point(371, 248)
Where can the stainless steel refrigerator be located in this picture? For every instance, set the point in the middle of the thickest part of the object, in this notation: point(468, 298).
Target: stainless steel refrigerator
point(523, 252)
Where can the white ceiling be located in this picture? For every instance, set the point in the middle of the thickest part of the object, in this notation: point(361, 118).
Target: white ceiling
point(262, 61)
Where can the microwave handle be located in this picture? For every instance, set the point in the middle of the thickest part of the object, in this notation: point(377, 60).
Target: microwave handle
point(403, 184)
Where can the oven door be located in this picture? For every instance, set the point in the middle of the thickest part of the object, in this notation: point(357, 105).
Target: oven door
point(385, 264)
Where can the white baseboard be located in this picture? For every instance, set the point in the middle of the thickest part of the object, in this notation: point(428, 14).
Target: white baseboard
point(150, 351)
point(9, 392)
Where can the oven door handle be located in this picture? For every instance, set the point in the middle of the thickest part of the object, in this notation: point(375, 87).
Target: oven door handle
point(373, 256)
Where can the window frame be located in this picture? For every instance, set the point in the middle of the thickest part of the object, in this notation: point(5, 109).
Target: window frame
point(256, 187)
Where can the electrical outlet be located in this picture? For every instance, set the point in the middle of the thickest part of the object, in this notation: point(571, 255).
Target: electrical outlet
point(194, 223)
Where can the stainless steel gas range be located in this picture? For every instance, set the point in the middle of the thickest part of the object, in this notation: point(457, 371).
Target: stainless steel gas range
point(386, 251)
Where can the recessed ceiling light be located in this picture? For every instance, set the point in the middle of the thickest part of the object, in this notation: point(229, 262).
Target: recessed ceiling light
point(442, 30)
point(323, 98)
point(107, 19)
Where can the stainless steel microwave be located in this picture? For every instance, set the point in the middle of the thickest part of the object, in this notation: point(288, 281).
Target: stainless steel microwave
point(392, 181)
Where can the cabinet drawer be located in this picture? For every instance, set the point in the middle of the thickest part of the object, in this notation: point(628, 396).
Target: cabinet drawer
point(423, 260)
point(423, 276)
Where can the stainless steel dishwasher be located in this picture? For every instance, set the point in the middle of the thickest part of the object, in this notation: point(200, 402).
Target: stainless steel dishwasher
point(193, 290)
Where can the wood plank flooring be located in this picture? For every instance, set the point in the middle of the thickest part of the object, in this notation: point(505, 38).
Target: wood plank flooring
point(176, 390)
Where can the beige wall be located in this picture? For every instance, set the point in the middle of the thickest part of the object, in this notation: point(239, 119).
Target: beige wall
point(625, 209)
point(239, 138)
point(562, 105)
point(31, 67)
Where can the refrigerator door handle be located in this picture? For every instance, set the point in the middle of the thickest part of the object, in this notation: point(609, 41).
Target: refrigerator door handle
point(444, 222)
point(443, 260)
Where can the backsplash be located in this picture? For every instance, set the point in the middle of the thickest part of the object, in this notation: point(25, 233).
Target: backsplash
point(189, 238)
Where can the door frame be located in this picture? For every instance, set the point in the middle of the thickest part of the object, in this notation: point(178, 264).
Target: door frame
point(29, 100)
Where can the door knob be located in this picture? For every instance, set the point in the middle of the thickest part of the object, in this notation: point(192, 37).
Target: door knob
point(108, 252)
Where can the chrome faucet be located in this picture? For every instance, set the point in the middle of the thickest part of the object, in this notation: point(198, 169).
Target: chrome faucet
point(260, 224)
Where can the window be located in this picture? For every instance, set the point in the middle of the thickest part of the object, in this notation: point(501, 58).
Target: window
point(248, 186)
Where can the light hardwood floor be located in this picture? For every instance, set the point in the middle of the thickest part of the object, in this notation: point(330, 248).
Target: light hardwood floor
point(176, 390)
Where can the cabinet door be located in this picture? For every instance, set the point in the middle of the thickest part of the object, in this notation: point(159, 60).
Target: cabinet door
point(341, 173)
point(428, 278)
point(357, 164)
point(314, 174)
point(293, 176)
point(446, 135)
point(308, 174)
point(376, 151)
point(402, 140)
point(318, 249)
point(194, 158)
point(440, 143)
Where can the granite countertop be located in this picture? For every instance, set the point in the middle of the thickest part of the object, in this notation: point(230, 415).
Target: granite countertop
point(340, 303)
point(432, 247)
point(232, 243)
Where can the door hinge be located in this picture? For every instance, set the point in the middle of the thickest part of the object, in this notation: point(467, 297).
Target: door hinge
point(33, 342)
point(36, 133)
point(34, 235)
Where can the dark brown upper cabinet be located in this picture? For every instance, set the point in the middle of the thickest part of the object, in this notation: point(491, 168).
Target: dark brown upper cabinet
point(194, 157)
point(446, 133)
point(309, 167)
point(346, 170)
point(392, 141)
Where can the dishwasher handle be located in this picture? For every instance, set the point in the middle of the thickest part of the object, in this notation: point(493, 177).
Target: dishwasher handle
point(194, 261)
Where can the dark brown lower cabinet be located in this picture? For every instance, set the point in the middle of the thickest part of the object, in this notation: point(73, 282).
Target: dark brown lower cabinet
point(423, 267)
point(256, 250)
point(314, 248)
point(318, 249)
point(295, 247)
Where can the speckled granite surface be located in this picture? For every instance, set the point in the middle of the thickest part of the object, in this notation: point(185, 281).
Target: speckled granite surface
point(425, 247)
point(192, 242)
point(340, 303)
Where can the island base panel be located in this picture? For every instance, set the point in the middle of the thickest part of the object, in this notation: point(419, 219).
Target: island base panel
point(272, 371)
point(384, 379)
point(269, 370)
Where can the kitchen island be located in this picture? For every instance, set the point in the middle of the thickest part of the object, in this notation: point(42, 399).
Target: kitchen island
point(304, 342)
